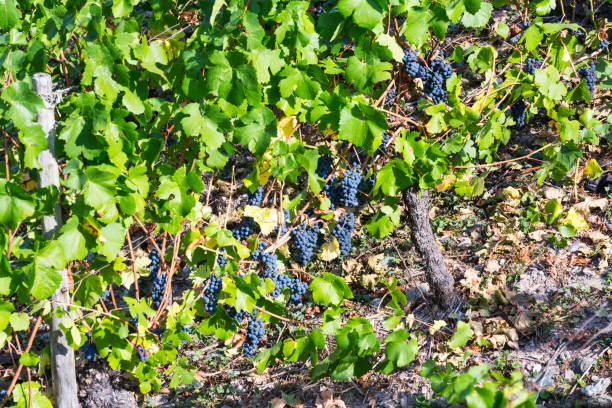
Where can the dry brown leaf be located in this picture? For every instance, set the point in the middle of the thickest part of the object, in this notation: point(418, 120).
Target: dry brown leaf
point(278, 403)
point(325, 399)
point(374, 262)
point(587, 205)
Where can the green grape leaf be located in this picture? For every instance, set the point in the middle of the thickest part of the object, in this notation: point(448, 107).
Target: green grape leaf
point(416, 27)
point(22, 392)
point(23, 102)
point(16, 205)
point(29, 359)
point(478, 19)
point(363, 126)
point(593, 169)
point(548, 82)
point(461, 336)
point(20, 321)
point(9, 15)
point(329, 289)
point(366, 13)
point(112, 237)
point(46, 280)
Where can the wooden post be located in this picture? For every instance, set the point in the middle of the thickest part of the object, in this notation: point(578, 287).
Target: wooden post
point(62, 355)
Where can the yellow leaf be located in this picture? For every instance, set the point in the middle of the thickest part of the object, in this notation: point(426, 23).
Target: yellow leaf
point(447, 182)
point(575, 220)
point(374, 263)
point(330, 250)
point(266, 218)
point(437, 325)
point(511, 193)
point(285, 127)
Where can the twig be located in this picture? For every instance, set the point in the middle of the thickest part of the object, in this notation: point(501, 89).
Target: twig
point(129, 240)
point(480, 166)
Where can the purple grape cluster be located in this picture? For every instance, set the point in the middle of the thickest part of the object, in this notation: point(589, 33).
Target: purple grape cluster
point(281, 281)
point(304, 240)
point(390, 98)
point(257, 197)
point(90, 351)
point(268, 260)
point(255, 332)
point(519, 112)
point(434, 80)
point(382, 149)
point(143, 354)
point(531, 64)
point(349, 187)
point(331, 191)
point(158, 280)
point(325, 165)
point(211, 294)
point(222, 260)
point(588, 74)
point(343, 230)
point(244, 230)
point(297, 289)
point(604, 45)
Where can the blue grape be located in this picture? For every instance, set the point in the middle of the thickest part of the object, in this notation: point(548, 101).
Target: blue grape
point(343, 231)
point(297, 289)
point(390, 97)
point(211, 293)
point(382, 149)
point(268, 260)
point(281, 281)
point(143, 354)
point(349, 187)
point(519, 112)
point(244, 230)
point(531, 64)
point(588, 74)
point(158, 280)
point(90, 351)
point(257, 197)
point(325, 165)
point(222, 260)
point(255, 332)
point(304, 240)
point(604, 45)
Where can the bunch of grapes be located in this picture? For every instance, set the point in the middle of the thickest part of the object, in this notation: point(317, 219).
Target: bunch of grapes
point(434, 80)
point(158, 280)
point(304, 240)
point(283, 227)
point(604, 45)
point(105, 295)
point(531, 64)
point(588, 74)
point(331, 191)
point(318, 10)
point(268, 260)
point(211, 294)
point(222, 260)
point(349, 187)
point(143, 354)
point(298, 289)
point(390, 98)
point(239, 316)
point(343, 230)
point(365, 187)
point(325, 165)
point(281, 281)
point(382, 149)
point(90, 351)
point(519, 112)
point(244, 230)
point(257, 197)
point(255, 331)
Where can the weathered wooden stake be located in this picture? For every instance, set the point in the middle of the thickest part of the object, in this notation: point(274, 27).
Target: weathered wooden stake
point(62, 355)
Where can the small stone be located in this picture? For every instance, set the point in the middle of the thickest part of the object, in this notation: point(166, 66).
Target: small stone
point(583, 363)
point(597, 388)
point(569, 374)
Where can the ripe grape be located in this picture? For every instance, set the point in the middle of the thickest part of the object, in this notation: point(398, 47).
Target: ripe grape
point(349, 186)
point(343, 230)
point(531, 64)
point(257, 197)
point(604, 45)
point(325, 166)
point(143, 354)
point(255, 331)
point(90, 351)
point(382, 149)
point(222, 260)
point(244, 230)
point(519, 112)
point(588, 74)
point(390, 97)
point(158, 280)
point(298, 289)
point(211, 293)
point(281, 281)
point(304, 240)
